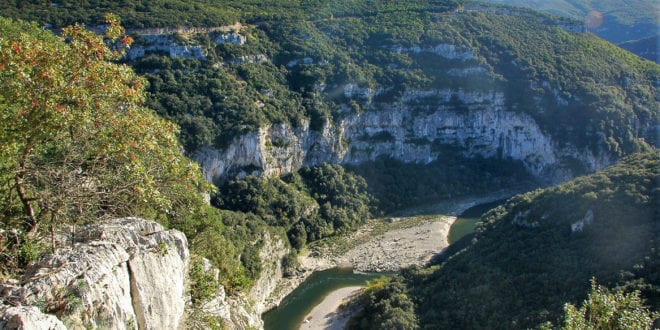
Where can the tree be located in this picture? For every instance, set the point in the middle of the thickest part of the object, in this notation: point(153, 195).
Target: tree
point(605, 310)
point(76, 144)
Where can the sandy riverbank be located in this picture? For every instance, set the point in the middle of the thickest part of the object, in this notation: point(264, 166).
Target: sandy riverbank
point(410, 237)
point(401, 247)
point(327, 315)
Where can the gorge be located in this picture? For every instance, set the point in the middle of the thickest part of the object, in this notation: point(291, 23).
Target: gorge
point(333, 133)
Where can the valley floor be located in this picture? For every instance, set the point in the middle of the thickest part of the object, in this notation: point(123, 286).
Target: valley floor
point(411, 237)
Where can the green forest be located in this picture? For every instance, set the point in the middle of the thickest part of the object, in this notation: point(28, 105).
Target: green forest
point(575, 85)
point(535, 253)
point(88, 133)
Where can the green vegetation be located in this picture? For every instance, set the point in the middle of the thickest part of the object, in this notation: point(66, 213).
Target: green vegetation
point(608, 311)
point(77, 137)
point(77, 147)
point(134, 13)
point(213, 106)
point(609, 19)
point(75, 143)
point(207, 13)
point(387, 306)
point(580, 89)
point(644, 47)
point(531, 255)
point(397, 185)
point(310, 205)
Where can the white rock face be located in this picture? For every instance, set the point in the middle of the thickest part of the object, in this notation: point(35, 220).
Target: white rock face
point(274, 249)
point(164, 43)
point(414, 130)
point(231, 38)
point(273, 150)
point(124, 274)
point(585, 221)
point(448, 51)
point(243, 310)
point(26, 317)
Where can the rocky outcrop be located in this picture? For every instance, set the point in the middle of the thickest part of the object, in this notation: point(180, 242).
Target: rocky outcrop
point(165, 44)
point(130, 273)
point(273, 251)
point(123, 274)
point(451, 52)
point(420, 128)
point(243, 310)
point(273, 150)
point(26, 317)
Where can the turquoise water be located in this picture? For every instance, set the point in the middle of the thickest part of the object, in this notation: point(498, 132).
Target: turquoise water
point(293, 309)
point(466, 223)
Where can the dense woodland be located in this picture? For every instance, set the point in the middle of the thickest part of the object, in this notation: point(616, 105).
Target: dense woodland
point(636, 21)
point(582, 90)
point(528, 257)
point(578, 87)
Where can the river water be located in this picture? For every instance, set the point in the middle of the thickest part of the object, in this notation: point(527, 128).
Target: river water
point(466, 223)
point(293, 309)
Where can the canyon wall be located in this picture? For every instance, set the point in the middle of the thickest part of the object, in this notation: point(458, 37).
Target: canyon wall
point(420, 128)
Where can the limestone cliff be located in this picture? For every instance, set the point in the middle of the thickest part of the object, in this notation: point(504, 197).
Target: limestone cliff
point(416, 129)
point(124, 274)
point(128, 273)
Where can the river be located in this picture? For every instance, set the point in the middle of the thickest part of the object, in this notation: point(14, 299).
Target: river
point(466, 223)
point(292, 310)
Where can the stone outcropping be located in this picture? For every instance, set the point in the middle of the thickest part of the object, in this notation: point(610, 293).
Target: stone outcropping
point(130, 273)
point(124, 274)
point(27, 317)
point(418, 129)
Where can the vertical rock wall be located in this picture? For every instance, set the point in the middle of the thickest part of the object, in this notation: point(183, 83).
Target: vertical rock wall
point(414, 130)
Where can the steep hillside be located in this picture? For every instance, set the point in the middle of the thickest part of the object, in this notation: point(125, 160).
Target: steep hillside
point(347, 83)
point(645, 47)
point(539, 251)
point(485, 95)
point(616, 21)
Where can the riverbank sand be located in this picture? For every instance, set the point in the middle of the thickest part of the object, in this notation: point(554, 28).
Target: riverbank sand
point(409, 238)
point(327, 315)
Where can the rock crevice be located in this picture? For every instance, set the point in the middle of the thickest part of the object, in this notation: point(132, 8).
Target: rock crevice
point(419, 129)
point(123, 274)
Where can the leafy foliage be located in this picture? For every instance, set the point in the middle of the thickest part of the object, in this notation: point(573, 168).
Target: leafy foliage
point(134, 13)
point(609, 19)
point(310, 205)
point(397, 185)
point(608, 311)
point(387, 306)
point(539, 250)
point(230, 240)
point(76, 144)
point(580, 89)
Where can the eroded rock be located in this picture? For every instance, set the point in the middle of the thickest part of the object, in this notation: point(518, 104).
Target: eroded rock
point(122, 274)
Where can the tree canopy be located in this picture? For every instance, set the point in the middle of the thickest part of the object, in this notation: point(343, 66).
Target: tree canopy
point(76, 144)
point(538, 251)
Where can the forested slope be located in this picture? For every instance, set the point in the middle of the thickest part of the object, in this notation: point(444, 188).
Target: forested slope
point(314, 65)
point(615, 21)
point(362, 84)
point(538, 251)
